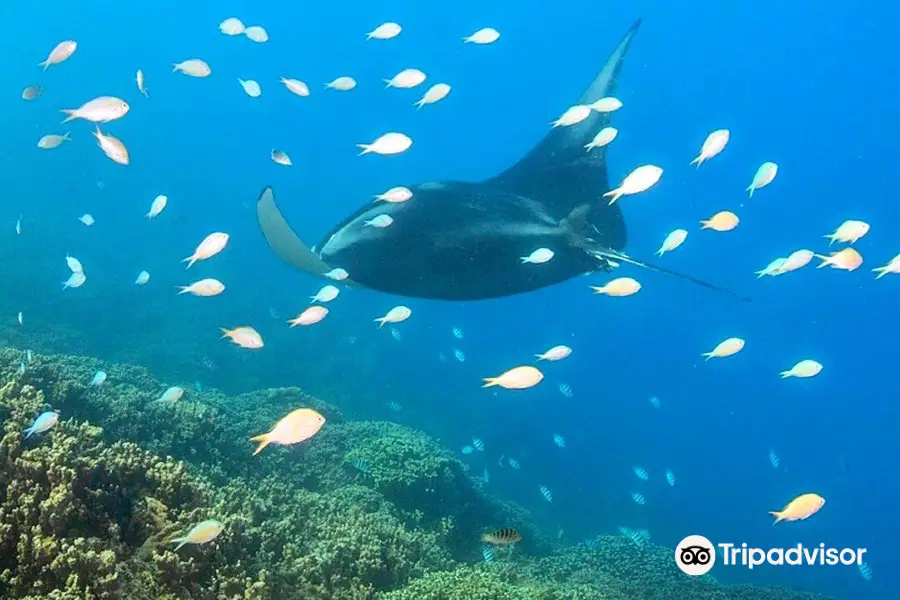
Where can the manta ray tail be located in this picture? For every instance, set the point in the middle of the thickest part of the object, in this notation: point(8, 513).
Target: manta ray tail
point(618, 257)
point(282, 240)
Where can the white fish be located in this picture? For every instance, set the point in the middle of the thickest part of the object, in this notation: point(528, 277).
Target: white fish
point(865, 571)
point(638, 498)
point(539, 256)
point(280, 157)
point(256, 33)
point(804, 368)
point(342, 84)
point(209, 247)
point(204, 288)
point(43, 423)
point(112, 147)
point(395, 333)
point(488, 35)
point(672, 241)
point(387, 144)
point(459, 355)
point(773, 458)
point(385, 31)
point(98, 379)
point(62, 51)
point(555, 353)
point(20, 318)
point(478, 443)
point(639, 180)
point(326, 294)
point(640, 473)
point(405, 79)
point(655, 402)
point(397, 314)
point(566, 390)
point(764, 176)
point(75, 280)
point(380, 221)
point(457, 333)
point(603, 137)
point(87, 219)
point(467, 449)
point(51, 141)
point(712, 145)
point(435, 93)
point(606, 105)
point(337, 274)
point(19, 226)
point(102, 109)
point(796, 260)
point(157, 206)
point(251, 87)
point(296, 86)
point(232, 26)
point(395, 195)
point(139, 79)
point(573, 115)
point(559, 440)
point(74, 264)
point(173, 394)
point(142, 278)
point(193, 67)
point(773, 268)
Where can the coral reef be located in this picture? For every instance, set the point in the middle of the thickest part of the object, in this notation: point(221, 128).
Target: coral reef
point(364, 511)
point(614, 568)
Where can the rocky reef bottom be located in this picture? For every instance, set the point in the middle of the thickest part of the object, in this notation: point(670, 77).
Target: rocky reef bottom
point(364, 511)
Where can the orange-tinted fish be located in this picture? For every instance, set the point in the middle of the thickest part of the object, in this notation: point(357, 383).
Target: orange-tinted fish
point(502, 537)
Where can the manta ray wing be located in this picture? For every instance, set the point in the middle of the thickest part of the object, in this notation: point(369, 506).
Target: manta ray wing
point(561, 174)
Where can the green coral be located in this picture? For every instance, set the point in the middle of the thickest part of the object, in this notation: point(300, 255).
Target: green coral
point(363, 511)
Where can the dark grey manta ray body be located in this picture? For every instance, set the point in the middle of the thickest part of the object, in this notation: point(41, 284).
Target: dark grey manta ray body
point(465, 241)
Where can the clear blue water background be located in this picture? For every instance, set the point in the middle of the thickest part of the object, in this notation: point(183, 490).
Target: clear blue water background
point(811, 89)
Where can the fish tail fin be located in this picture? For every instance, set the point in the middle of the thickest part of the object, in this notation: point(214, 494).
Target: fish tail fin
point(607, 255)
point(225, 333)
point(784, 375)
point(365, 149)
point(180, 541)
point(381, 321)
point(824, 260)
point(419, 103)
point(490, 382)
point(750, 189)
point(67, 136)
point(539, 356)
point(882, 271)
point(697, 161)
point(190, 260)
point(70, 114)
point(707, 355)
point(182, 289)
point(174, 67)
point(660, 252)
point(831, 238)
point(613, 195)
point(388, 82)
point(704, 224)
point(777, 515)
point(263, 442)
point(523, 259)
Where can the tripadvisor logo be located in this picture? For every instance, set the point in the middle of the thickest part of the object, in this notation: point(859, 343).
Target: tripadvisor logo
point(696, 555)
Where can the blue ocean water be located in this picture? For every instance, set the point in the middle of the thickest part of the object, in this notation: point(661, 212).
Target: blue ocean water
point(808, 89)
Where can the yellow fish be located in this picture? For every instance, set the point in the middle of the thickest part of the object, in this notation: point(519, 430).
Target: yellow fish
point(201, 533)
point(296, 427)
point(801, 507)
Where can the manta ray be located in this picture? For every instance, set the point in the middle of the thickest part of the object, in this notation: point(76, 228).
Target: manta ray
point(456, 240)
